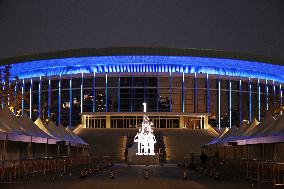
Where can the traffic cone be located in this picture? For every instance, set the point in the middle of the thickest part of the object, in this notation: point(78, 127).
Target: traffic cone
point(146, 174)
point(185, 174)
point(111, 176)
point(217, 174)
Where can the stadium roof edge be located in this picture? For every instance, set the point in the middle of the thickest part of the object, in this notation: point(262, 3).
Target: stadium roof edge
point(158, 51)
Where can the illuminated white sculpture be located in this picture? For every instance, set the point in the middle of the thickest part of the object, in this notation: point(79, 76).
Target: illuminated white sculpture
point(145, 138)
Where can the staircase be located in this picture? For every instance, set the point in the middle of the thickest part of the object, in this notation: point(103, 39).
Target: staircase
point(181, 143)
point(105, 143)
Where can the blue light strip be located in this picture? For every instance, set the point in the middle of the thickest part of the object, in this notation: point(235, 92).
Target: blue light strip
point(219, 104)
point(31, 97)
point(132, 92)
point(258, 95)
point(3, 88)
point(240, 102)
point(94, 93)
point(195, 93)
point(207, 94)
point(171, 96)
point(59, 101)
point(9, 94)
point(182, 93)
point(118, 94)
point(23, 94)
point(39, 99)
point(106, 95)
point(266, 94)
point(71, 102)
point(250, 103)
point(274, 95)
point(49, 99)
point(82, 95)
point(158, 93)
point(230, 103)
point(281, 100)
point(186, 64)
point(15, 96)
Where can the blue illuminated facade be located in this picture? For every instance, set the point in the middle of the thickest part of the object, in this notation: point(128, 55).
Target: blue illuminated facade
point(231, 90)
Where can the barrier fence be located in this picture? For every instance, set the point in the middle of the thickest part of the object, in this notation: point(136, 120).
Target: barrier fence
point(255, 171)
point(24, 170)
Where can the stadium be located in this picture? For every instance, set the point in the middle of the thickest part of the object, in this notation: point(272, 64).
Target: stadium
point(182, 87)
point(221, 103)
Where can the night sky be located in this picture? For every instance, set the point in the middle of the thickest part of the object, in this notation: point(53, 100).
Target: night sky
point(32, 26)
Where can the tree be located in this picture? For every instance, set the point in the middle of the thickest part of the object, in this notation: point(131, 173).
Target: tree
point(11, 96)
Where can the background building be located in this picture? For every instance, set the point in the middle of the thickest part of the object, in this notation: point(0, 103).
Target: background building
point(182, 87)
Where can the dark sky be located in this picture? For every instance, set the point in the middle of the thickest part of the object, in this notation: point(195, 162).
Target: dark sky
point(31, 26)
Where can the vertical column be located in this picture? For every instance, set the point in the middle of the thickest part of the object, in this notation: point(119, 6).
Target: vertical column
point(94, 93)
point(274, 95)
point(59, 101)
point(39, 97)
point(219, 104)
point(206, 122)
point(266, 94)
point(9, 84)
point(31, 98)
point(158, 93)
point(230, 103)
point(281, 100)
point(132, 93)
point(181, 122)
point(15, 97)
point(207, 94)
point(258, 99)
point(118, 93)
point(250, 107)
point(49, 99)
point(107, 121)
point(182, 93)
point(23, 97)
point(240, 102)
point(1, 85)
point(171, 96)
point(195, 93)
point(106, 94)
point(3, 88)
point(70, 101)
point(81, 93)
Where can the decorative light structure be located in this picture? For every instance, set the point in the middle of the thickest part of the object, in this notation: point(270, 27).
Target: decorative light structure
point(145, 137)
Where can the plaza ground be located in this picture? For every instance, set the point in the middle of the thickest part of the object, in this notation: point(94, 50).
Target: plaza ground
point(166, 177)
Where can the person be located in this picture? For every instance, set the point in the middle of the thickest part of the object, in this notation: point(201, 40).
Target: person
point(203, 159)
point(192, 160)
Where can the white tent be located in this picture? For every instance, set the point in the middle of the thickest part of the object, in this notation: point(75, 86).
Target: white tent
point(221, 135)
point(76, 137)
point(10, 125)
point(38, 135)
point(47, 130)
point(240, 132)
point(225, 137)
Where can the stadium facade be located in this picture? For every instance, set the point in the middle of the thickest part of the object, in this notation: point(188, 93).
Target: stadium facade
point(105, 88)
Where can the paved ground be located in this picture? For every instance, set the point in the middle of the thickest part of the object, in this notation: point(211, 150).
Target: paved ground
point(167, 177)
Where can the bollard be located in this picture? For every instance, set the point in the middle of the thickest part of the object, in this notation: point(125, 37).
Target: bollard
point(146, 174)
point(205, 172)
point(217, 175)
point(111, 176)
point(211, 172)
point(185, 174)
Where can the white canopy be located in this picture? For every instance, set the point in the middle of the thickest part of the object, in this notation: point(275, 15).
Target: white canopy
point(10, 125)
point(38, 135)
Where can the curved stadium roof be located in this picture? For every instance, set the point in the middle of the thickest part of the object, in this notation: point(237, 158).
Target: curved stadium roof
point(146, 60)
